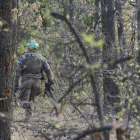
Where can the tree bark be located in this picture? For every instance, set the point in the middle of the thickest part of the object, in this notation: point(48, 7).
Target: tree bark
point(6, 68)
point(138, 58)
point(96, 14)
point(138, 24)
point(120, 29)
point(109, 53)
point(138, 20)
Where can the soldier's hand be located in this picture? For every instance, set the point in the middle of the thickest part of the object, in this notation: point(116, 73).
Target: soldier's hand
point(48, 87)
point(48, 90)
point(51, 81)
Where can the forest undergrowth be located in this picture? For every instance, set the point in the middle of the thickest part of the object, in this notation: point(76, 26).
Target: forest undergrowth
point(66, 122)
point(64, 125)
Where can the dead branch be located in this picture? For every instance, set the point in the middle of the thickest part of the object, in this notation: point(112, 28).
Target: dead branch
point(87, 132)
point(121, 60)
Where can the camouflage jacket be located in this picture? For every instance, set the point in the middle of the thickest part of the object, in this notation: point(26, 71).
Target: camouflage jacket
point(32, 65)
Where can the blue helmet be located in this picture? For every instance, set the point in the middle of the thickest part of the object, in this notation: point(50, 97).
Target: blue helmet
point(33, 44)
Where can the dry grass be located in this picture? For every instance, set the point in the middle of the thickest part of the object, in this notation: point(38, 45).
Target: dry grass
point(64, 126)
point(43, 121)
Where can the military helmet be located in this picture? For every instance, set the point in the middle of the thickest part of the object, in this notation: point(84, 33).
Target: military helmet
point(33, 44)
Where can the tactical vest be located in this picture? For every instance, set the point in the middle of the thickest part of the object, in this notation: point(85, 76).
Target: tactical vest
point(32, 64)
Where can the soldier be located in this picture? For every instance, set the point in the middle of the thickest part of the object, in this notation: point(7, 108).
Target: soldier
point(30, 67)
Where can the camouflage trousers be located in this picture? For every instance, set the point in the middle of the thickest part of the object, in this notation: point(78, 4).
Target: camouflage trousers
point(29, 89)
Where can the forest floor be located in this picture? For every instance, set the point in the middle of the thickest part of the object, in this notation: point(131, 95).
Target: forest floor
point(45, 124)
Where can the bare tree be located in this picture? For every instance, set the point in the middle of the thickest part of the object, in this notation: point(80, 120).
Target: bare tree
point(120, 25)
point(109, 50)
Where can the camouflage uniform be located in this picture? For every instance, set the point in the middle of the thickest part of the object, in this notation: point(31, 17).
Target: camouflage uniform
point(30, 67)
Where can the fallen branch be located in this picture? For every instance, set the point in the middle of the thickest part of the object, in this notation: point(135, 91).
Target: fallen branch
point(87, 132)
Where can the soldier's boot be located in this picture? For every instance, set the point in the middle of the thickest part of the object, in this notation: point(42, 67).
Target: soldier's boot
point(28, 106)
point(28, 110)
point(28, 113)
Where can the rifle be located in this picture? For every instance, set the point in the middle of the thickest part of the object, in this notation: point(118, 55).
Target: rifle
point(48, 90)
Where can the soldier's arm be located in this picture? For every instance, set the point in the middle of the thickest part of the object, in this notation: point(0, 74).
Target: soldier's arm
point(48, 71)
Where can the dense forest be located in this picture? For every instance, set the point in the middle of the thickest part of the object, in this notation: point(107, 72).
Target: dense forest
point(93, 49)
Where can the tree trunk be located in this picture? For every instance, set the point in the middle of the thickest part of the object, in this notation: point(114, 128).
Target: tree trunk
point(138, 58)
point(96, 14)
point(109, 53)
point(138, 19)
point(120, 29)
point(6, 68)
